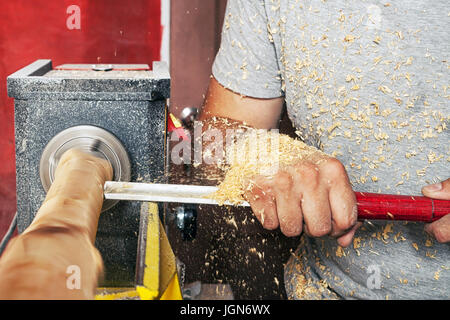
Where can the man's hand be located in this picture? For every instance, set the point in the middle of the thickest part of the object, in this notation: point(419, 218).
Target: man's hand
point(440, 229)
point(317, 199)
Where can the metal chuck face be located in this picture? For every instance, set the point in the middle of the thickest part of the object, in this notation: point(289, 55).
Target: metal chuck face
point(89, 139)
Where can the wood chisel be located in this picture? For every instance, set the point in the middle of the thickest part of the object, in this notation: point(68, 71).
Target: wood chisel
point(371, 206)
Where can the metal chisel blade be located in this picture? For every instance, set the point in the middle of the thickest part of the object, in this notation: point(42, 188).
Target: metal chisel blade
point(155, 192)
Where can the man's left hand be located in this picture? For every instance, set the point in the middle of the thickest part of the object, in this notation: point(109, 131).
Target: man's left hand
point(440, 229)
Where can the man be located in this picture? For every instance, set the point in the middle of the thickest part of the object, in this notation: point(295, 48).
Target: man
point(366, 82)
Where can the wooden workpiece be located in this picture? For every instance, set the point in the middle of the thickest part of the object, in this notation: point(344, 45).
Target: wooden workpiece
point(55, 257)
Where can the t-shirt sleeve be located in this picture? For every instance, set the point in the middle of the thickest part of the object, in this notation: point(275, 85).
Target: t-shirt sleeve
point(246, 62)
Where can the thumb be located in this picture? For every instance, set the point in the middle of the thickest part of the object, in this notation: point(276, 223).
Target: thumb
point(439, 190)
point(440, 229)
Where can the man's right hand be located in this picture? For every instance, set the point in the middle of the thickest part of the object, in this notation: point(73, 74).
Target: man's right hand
point(315, 198)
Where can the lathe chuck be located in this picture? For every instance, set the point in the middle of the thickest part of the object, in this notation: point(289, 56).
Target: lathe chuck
point(89, 139)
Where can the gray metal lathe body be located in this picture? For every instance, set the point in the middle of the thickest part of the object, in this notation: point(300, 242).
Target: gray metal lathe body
point(130, 105)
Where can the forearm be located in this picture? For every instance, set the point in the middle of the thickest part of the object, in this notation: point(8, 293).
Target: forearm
point(225, 110)
point(209, 167)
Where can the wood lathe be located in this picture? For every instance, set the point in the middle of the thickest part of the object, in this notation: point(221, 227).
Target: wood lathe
point(119, 112)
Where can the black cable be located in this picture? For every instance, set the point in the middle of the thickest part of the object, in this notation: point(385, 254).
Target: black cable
point(8, 234)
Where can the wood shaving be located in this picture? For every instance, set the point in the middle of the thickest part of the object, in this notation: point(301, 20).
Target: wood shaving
point(437, 275)
point(244, 161)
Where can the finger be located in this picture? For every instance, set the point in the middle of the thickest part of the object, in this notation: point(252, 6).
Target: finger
point(341, 196)
point(288, 205)
point(346, 239)
point(314, 201)
point(439, 190)
point(440, 229)
point(316, 210)
point(262, 201)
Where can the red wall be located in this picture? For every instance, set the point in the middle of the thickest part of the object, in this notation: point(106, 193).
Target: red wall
point(111, 31)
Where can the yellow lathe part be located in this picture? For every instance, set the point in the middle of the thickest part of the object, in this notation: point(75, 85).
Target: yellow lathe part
point(160, 279)
point(150, 288)
point(175, 121)
point(116, 294)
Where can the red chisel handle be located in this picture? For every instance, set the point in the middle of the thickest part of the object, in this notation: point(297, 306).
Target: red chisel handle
point(376, 206)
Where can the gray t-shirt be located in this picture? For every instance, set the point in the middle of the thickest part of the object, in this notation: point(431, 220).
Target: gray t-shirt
point(368, 82)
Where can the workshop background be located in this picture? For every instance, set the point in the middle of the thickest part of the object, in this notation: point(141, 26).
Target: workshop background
point(186, 34)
